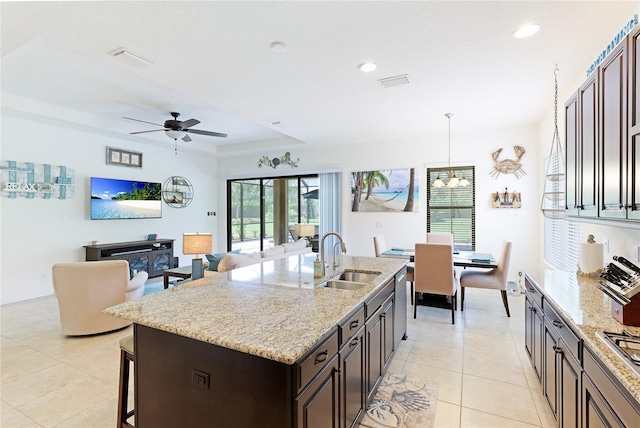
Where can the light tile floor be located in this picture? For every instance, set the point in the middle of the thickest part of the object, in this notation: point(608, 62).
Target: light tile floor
point(485, 378)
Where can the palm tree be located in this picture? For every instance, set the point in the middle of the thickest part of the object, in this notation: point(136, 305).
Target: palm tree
point(373, 179)
point(412, 179)
point(357, 190)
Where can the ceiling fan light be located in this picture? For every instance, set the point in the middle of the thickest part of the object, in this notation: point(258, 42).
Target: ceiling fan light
point(526, 30)
point(174, 133)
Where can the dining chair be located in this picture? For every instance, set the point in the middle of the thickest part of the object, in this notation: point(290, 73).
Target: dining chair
point(380, 246)
point(495, 279)
point(440, 238)
point(434, 274)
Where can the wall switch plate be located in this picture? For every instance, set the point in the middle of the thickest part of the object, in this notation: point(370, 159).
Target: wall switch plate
point(636, 254)
point(605, 242)
point(379, 224)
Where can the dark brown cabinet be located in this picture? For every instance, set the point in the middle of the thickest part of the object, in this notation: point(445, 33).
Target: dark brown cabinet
point(603, 139)
point(352, 379)
point(318, 405)
point(572, 196)
point(533, 332)
point(632, 204)
point(588, 147)
point(154, 257)
point(387, 331)
point(613, 134)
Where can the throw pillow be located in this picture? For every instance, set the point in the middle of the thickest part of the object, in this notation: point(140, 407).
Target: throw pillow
point(214, 259)
point(232, 261)
point(295, 246)
point(273, 251)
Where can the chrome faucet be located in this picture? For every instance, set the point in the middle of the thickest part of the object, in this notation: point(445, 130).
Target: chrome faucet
point(342, 247)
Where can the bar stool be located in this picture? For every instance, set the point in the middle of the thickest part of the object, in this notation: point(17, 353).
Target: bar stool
point(126, 359)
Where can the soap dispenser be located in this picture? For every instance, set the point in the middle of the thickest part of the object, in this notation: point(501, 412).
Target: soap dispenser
point(317, 268)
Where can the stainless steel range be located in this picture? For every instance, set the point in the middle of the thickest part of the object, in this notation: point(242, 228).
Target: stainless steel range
point(625, 345)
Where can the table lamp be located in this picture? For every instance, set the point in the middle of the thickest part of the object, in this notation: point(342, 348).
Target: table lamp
point(305, 230)
point(197, 243)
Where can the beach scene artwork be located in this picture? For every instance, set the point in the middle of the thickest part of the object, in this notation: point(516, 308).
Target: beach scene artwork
point(389, 190)
point(121, 199)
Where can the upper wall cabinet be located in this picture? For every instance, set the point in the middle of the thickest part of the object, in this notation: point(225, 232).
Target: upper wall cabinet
point(603, 139)
point(633, 150)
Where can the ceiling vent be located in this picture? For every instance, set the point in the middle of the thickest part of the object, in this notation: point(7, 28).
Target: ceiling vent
point(129, 58)
point(389, 82)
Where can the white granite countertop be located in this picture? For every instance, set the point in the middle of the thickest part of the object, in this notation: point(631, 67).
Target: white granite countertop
point(587, 310)
point(270, 309)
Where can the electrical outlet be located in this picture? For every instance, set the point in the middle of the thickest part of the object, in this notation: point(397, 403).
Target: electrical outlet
point(605, 242)
point(379, 224)
point(200, 379)
point(636, 254)
point(44, 277)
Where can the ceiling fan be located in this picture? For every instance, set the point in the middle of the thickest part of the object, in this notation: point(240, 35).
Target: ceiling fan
point(177, 129)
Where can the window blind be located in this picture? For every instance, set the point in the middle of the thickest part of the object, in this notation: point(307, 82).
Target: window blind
point(561, 244)
point(453, 210)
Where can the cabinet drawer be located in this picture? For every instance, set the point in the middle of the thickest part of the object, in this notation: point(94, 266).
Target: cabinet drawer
point(378, 299)
point(532, 292)
point(311, 364)
point(351, 325)
point(568, 336)
point(624, 406)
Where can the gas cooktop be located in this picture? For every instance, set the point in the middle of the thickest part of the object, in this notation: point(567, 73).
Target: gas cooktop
point(625, 345)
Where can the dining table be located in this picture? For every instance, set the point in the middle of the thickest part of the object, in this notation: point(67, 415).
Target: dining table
point(462, 259)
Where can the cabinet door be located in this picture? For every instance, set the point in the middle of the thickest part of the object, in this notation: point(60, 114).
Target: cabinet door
point(551, 370)
point(633, 162)
point(573, 156)
point(161, 261)
point(387, 330)
point(400, 308)
point(595, 411)
point(569, 390)
point(538, 340)
point(533, 335)
point(588, 145)
point(613, 133)
point(138, 263)
point(374, 359)
point(352, 380)
point(318, 405)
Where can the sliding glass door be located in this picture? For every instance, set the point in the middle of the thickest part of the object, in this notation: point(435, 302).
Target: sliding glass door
point(263, 212)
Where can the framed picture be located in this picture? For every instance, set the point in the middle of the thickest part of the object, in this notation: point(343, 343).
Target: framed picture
point(123, 157)
point(388, 190)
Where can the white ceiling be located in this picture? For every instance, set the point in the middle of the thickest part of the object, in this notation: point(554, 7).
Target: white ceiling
point(213, 62)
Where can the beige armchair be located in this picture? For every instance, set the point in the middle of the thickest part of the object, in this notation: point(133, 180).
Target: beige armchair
point(495, 279)
point(85, 289)
point(434, 274)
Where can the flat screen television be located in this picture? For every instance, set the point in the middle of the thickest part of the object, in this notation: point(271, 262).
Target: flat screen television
point(124, 199)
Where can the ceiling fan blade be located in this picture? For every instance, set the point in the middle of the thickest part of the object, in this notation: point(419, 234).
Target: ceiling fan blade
point(144, 132)
point(186, 138)
point(210, 133)
point(189, 123)
point(143, 121)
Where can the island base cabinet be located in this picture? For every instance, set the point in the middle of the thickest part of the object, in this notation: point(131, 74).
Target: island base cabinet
point(318, 405)
point(352, 380)
point(533, 332)
point(183, 382)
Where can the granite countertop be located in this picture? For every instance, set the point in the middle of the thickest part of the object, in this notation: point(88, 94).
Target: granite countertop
point(587, 310)
point(271, 309)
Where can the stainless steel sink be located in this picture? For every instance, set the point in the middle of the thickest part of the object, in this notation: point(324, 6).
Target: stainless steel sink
point(343, 285)
point(365, 277)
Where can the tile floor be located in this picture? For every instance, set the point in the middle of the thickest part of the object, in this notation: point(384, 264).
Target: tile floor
point(484, 376)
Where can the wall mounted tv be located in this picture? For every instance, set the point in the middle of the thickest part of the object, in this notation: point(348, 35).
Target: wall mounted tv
point(121, 199)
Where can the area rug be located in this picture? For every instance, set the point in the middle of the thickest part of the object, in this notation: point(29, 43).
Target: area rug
point(153, 287)
point(402, 401)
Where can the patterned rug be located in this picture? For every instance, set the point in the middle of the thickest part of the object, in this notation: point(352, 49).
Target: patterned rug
point(402, 401)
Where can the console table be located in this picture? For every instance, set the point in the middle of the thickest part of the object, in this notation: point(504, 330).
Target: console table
point(154, 257)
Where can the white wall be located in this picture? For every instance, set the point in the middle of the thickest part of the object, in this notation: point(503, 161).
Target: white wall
point(493, 225)
point(36, 233)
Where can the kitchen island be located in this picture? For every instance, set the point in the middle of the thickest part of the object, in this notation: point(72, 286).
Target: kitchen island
point(584, 382)
point(265, 346)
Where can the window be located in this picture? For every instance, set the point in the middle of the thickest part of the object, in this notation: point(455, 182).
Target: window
point(453, 209)
point(561, 243)
point(262, 212)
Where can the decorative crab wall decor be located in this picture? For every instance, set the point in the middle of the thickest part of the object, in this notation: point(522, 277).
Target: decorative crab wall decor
point(508, 166)
point(273, 163)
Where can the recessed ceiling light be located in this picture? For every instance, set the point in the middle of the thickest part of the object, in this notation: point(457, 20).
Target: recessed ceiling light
point(367, 67)
point(278, 47)
point(526, 31)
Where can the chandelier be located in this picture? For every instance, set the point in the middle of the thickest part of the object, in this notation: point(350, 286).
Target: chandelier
point(452, 179)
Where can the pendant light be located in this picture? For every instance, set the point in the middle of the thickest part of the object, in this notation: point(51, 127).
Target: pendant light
point(553, 198)
point(452, 179)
